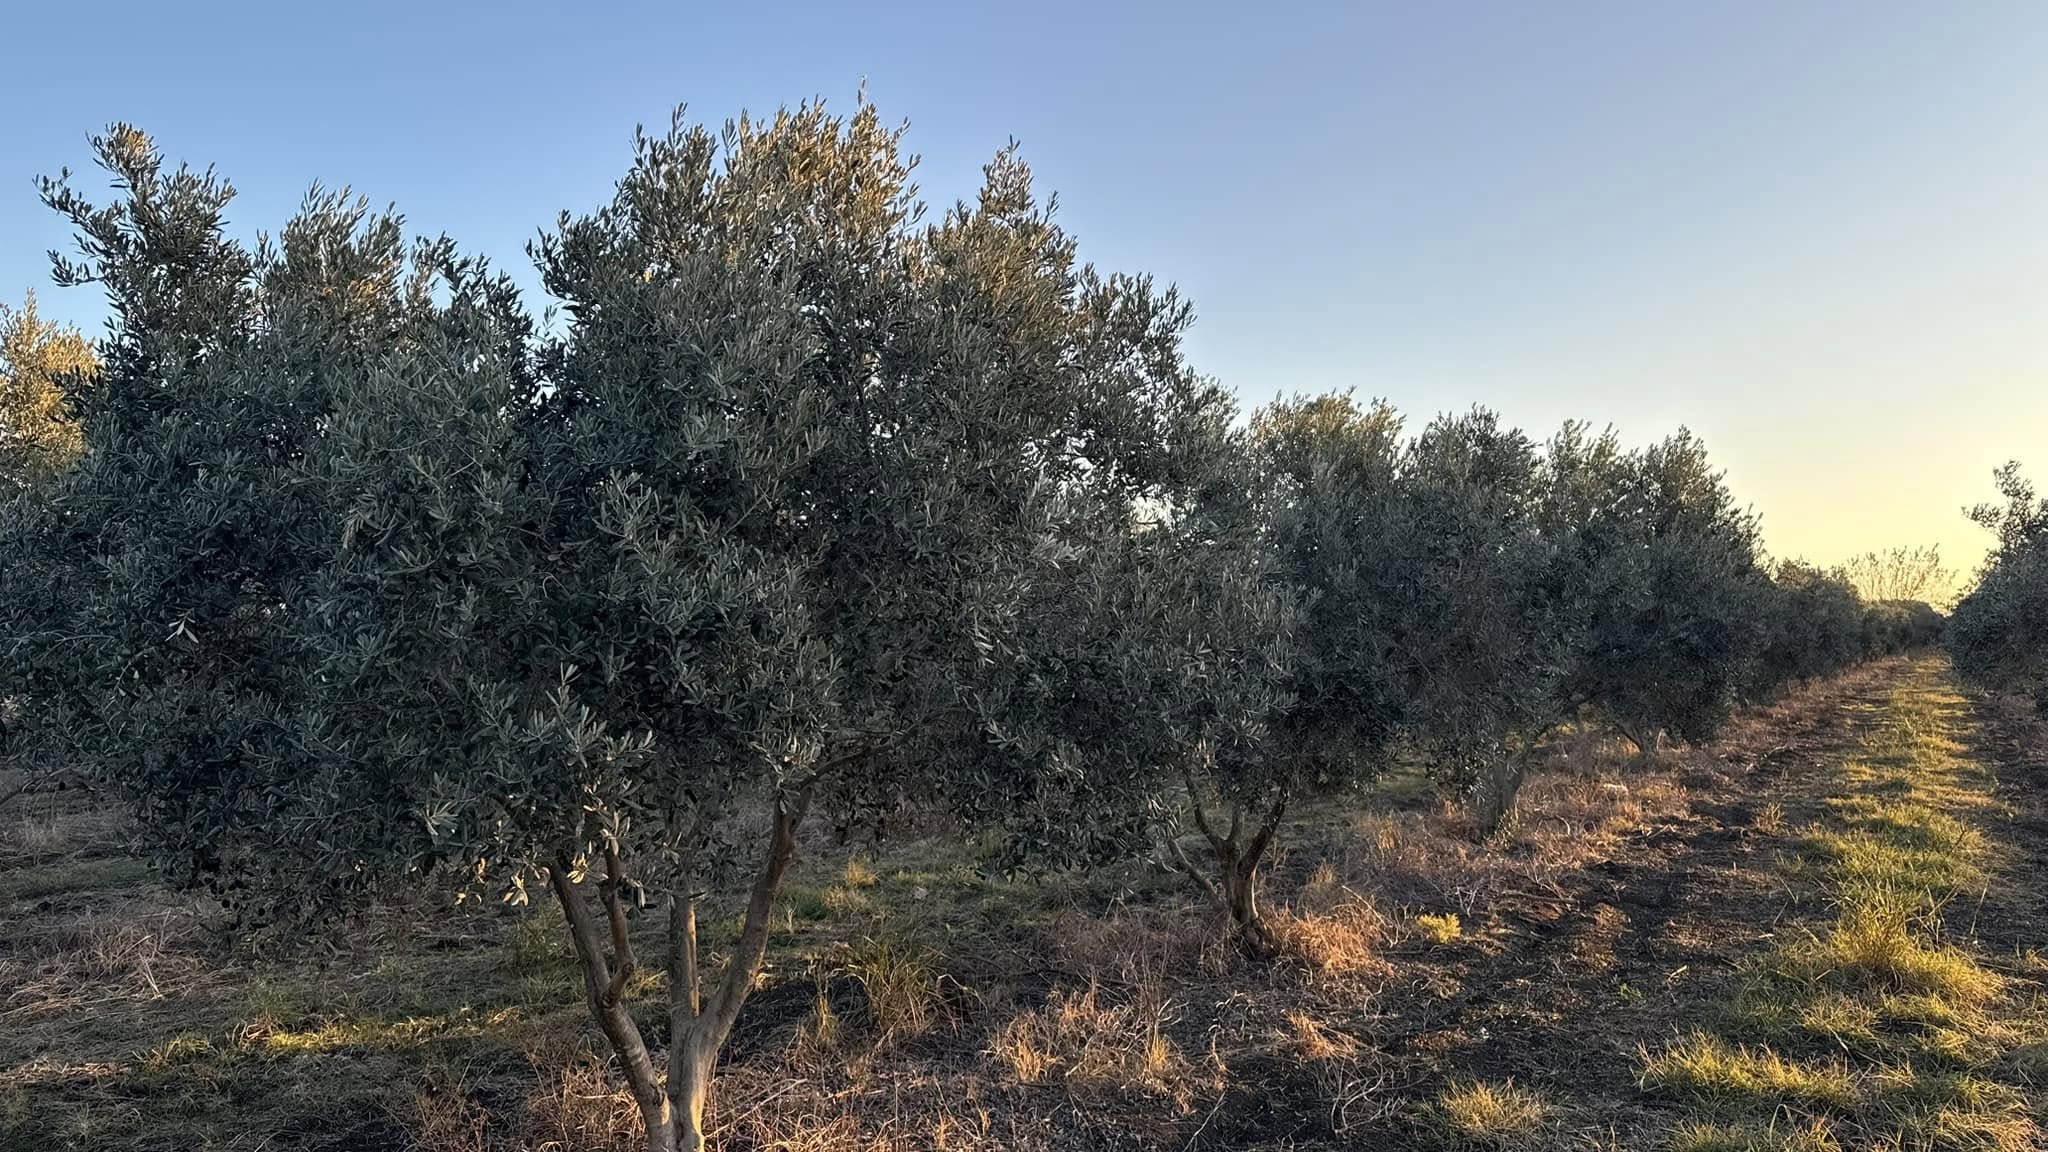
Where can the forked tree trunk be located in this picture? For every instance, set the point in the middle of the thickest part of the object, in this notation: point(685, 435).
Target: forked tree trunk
point(673, 1112)
point(698, 1027)
point(1235, 885)
point(1240, 884)
point(1646, 739)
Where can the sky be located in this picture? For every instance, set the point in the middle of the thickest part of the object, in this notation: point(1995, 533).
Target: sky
point(1814, 233)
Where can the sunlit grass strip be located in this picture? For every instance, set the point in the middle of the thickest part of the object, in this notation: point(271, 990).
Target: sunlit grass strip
point(1710, 1070)
point(1880, 1031)
point(1772, 1136)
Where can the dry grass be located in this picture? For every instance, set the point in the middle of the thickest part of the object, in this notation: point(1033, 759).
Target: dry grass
point(859, 873)
point(571, 1107)
point(574, 1107)
point(1316, 1042)
point(1487, 1114)
point(1131, 941)
point(896, 982)
point(1343, 942)
point(1096, 1048)
point(87, 960)
point(1575, 812)
point(1097, 1010)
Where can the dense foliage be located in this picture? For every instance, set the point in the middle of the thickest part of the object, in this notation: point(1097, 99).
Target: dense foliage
point(1813, 625)
point(41, 366)
point(810, 505)
point(1998, 633)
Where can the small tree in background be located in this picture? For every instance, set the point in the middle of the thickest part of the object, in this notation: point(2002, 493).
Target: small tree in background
point(1902, 574)
point(1900, 626)
point(40, 365)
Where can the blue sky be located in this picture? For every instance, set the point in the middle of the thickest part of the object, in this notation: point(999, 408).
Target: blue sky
point(1815, 233)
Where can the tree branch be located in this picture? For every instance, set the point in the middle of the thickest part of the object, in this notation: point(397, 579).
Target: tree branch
point(599, 977)
point(583, 931)
point(1195, 801)
point(623, 963)
point(685, 988)
point(738, 978)
point(1264, 835)
point(1207, 883)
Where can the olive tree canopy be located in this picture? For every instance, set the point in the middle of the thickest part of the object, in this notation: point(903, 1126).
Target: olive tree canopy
point(360, 578)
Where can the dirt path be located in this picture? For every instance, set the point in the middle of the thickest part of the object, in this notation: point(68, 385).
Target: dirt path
point(1639, 944)
point(1831, 954)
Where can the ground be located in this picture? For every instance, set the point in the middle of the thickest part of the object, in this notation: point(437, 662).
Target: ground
point(1818, 933)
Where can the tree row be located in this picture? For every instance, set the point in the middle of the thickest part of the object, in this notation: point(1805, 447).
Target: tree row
point(807, 502)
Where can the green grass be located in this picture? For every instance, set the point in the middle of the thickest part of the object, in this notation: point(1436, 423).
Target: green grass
point(1877, 1018)
point(1705, 1068)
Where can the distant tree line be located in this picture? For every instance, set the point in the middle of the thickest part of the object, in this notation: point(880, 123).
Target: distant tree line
point(351, 575)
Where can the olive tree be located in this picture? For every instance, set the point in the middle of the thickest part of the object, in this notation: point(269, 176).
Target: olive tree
point(361, 580)
point(1478, 637)
point(1813, 624)
point(161, 570)
point(1657, 583)
point(1266, 595)
point(1998, 634)
point(1197, 676)
point(761, 535)
point(1893, 626)
point(1158, 665)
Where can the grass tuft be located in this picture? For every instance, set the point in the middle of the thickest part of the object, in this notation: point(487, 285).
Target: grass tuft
point(1706, 1068)
point(1497, 1114)
point(902, 995)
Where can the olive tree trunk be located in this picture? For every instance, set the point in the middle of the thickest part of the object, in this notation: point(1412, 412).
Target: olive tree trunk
point(1499, 791)
point(1501, 783)
point(606, 974)
point(1234, 885)
point(1648, 738)
point(673, 1111)
point(698, 1026)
